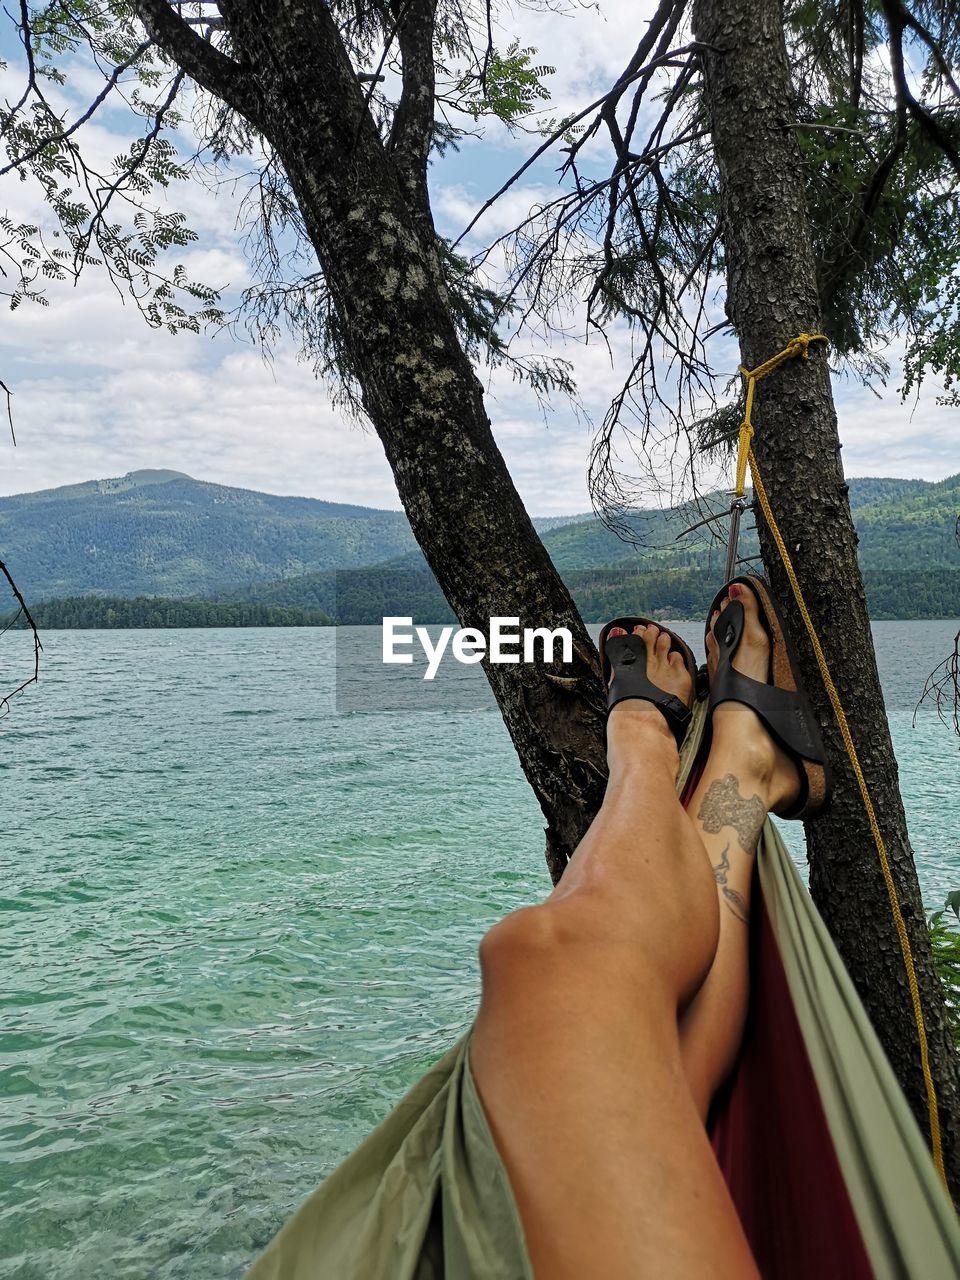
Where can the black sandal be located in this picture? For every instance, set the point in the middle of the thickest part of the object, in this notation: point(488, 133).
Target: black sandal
point(780, 703)
point(627, 656)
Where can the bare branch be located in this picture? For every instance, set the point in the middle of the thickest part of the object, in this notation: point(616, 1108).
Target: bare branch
point(37, 646)
point(63, 135)
point(9, 395)
point(917, 27)
point(942, 689)
point(545, 146)
point(27, 39)
point(898, 21)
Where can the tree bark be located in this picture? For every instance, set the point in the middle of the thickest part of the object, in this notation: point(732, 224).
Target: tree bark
point(772, 297)
point(365, 208)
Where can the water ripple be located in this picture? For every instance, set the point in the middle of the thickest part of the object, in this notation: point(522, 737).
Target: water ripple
point(239, 927)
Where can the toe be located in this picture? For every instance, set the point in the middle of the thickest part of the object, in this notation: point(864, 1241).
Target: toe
point(753, 627)
point(713, 654)
point(639, 629)
point(753, 652)
point(663, 644)
point(615, 631)
point(746, 597)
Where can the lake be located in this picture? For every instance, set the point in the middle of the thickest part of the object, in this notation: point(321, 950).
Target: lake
point(235, 926)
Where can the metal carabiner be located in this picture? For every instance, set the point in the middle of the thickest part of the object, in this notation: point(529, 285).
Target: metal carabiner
point(737, 508)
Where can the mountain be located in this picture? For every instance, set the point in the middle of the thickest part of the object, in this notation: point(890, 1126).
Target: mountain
point(902, 524)
point(162, 533)
point(908, 549)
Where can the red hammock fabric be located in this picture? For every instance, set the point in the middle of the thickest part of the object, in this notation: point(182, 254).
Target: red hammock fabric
point(772, 1141)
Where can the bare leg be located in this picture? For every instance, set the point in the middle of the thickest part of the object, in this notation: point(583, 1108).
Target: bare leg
point(576, 1049)
point(745, 776)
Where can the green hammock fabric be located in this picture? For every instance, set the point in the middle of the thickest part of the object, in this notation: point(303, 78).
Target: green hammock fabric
point(907, 1223)
point(426, 1196)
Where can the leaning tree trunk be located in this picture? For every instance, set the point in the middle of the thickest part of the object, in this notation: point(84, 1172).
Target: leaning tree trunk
point(771, 297)
point(365, 207)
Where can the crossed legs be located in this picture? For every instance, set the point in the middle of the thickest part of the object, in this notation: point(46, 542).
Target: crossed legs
point(612, 1011)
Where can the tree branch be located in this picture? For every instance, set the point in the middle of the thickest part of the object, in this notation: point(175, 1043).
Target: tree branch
point(555, 137)
point(37, 646)
point(27, 38)
point(62, 136)
point(917, 27)
point(9, 395)
point(202, 62)
point(412, 133)
point(898, 21)
point(852, 239)
point(97, 221)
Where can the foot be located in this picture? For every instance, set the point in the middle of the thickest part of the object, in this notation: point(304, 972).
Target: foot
point(738, 732)
point(633, 722)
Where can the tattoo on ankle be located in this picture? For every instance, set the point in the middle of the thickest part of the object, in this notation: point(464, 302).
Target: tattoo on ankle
point(724, 806)
point(735, 901)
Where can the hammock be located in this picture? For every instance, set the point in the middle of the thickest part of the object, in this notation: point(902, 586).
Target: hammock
point(828, 1169)
point(824, 1160)
point(825, 1163)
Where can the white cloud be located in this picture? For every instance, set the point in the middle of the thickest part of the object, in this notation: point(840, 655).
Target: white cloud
point(917, 439)
point(455, 208)
point(271, 429)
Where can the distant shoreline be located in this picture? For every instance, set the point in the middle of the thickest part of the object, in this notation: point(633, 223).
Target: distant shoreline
point(141, 613)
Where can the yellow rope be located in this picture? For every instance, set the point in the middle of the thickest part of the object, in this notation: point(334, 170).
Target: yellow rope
point(799, 346)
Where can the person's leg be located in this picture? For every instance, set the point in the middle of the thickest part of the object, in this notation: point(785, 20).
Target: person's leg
point(576, 1051)
point(745, 776)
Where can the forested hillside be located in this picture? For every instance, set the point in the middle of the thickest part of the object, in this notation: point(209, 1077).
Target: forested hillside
point(160, 533)
point(365, 596)
point(163, 533)
point(902, 524)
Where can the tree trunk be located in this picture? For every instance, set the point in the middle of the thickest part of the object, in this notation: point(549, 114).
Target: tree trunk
point(365, 209)
point(772, 297)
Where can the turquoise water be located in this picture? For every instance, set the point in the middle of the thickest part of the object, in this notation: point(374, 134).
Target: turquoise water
point(235, 926)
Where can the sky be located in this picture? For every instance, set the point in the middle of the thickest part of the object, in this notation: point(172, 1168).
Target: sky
point(96, 393)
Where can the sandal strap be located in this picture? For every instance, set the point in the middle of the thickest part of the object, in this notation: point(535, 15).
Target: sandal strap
point(785, 712)
point(627, 658)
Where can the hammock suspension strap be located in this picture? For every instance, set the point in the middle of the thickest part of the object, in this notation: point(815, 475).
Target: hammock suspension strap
point(800, 346)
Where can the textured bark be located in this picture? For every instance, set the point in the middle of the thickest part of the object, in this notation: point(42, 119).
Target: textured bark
point(771, 297)
point(365, 208)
